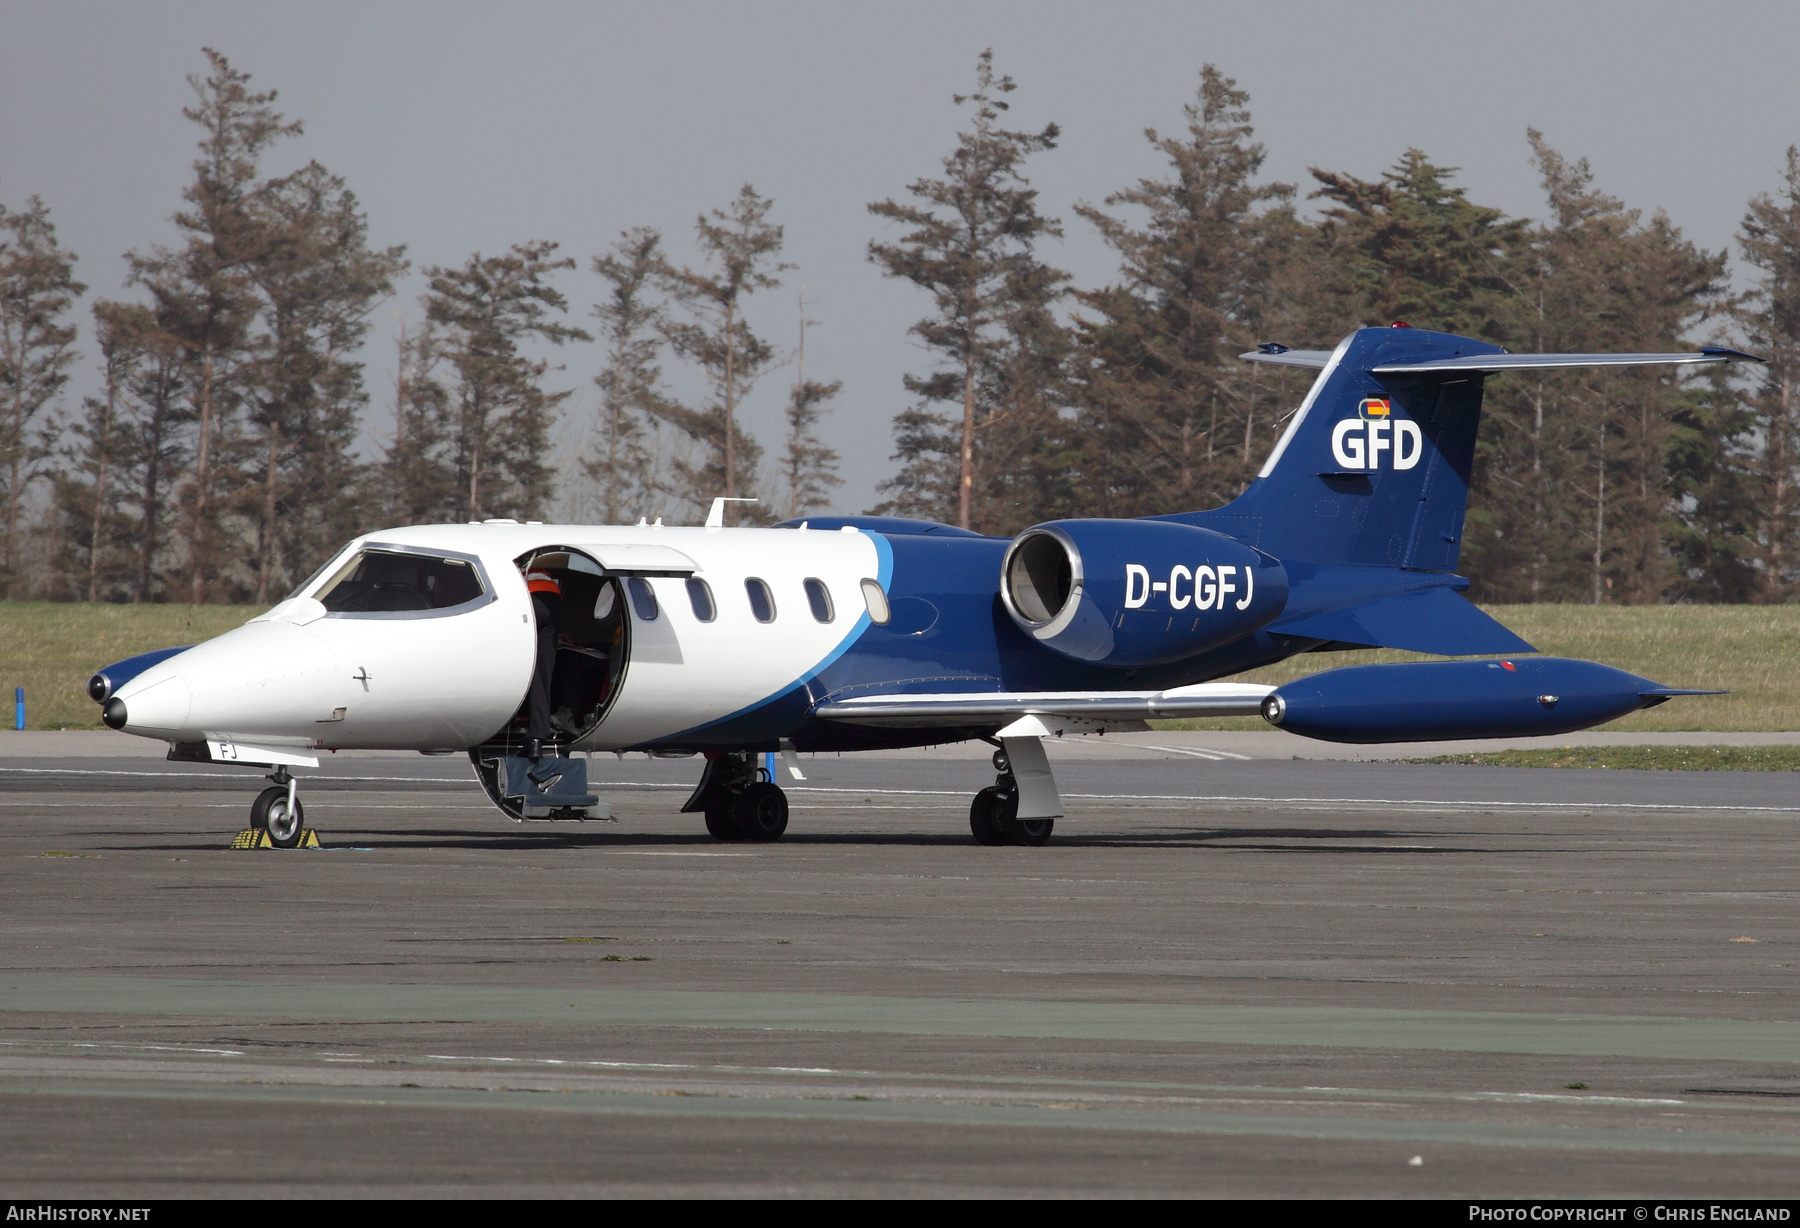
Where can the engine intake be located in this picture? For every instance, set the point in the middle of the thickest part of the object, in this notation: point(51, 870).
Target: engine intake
point(1137, 592)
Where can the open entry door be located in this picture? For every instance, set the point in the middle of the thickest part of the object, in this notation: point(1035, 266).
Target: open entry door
point(593, 650)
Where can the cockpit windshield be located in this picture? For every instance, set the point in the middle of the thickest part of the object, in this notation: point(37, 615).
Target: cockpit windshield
point(375, 581)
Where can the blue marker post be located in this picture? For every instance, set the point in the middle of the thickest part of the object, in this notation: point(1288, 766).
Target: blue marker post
point(768, 756)
point(18, 707)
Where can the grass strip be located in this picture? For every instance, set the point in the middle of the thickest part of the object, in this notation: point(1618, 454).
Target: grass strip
point(1653, 758)
point(52, 649)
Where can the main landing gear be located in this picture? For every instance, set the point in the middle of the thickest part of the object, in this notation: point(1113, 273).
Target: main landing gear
point(739, 804)
point(277, 810)
point(993, 816)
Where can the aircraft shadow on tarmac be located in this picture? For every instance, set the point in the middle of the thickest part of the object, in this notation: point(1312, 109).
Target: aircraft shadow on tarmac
point(1323, 840)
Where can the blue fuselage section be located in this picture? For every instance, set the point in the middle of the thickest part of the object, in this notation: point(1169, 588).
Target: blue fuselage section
point(950, 633)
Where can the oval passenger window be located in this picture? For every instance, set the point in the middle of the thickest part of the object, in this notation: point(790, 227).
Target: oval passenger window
point(643, 598)
point(603, 604)
point(819, 598)
point(877, 602)
point(762, 601)
point(700, 597)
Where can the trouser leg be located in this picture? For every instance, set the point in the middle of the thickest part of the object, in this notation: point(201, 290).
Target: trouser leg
point(538, 708)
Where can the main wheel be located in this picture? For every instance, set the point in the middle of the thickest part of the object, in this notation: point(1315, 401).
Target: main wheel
point(1029, 831)
point(719, 821)
point(988, 815)
point(762, 812)
point(285, 827)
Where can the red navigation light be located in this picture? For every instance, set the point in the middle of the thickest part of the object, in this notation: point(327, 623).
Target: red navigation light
point(1401, 324)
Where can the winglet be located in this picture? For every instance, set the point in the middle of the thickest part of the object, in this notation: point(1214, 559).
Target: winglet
point(1719, 351)
point(1281, 355)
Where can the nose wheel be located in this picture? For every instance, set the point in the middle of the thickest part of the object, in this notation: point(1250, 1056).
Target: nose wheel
point(277, 810)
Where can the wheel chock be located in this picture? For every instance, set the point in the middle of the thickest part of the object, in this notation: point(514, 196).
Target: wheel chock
point(256, 838)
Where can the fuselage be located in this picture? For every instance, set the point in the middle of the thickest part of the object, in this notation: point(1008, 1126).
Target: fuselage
point(715, 669)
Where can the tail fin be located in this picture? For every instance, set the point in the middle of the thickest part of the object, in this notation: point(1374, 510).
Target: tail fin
point(1374, 466)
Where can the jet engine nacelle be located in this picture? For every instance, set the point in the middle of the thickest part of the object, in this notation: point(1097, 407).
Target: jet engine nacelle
point(1137, 592)
point(1439, 700)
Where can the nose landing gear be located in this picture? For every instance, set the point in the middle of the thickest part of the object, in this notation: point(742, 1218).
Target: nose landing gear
point(277, 811)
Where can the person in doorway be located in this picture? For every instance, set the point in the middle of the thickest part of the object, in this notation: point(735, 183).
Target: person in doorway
point(546, 607)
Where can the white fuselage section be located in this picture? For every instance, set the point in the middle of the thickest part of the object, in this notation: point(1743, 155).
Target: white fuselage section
point(302, 678)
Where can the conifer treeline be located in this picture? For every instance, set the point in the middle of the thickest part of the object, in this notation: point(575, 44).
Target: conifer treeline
point(218, 461)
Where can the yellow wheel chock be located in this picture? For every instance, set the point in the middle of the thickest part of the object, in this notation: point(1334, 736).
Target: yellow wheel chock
point(257, 838)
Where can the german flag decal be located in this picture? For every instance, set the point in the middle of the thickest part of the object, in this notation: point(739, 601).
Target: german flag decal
point(1374, 407)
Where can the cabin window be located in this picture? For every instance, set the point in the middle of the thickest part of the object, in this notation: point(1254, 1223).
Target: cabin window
point(643, 598)
point(400, 582)
point(701, 598)
point(762, 601)
point(877, 602)
point(603, 604)
point(819, 598)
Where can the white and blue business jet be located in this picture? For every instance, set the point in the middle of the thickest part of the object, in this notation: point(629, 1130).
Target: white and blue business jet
point(859, 633)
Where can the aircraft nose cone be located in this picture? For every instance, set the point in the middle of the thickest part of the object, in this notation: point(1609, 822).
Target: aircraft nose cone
point(114, 713)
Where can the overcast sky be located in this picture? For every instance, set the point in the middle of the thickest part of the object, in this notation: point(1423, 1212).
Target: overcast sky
point(468, 127)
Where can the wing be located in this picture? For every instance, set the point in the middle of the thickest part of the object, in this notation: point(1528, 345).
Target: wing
point(1004, 707)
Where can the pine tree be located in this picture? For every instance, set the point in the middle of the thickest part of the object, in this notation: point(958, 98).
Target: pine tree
point(972, 245)
point(1575, 499)
point(416, 480)
point(1770, 317)
point(93, 484)
point(1169, 414)
point(742, 254)
point(37, 288)
point(1027, 468)
point(808, 466)
point(150, 408)
point(318, 281)
point(1711, 457)
point(623, 463)
point(1411, 247)
point(501, 413)
point(205, 292)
